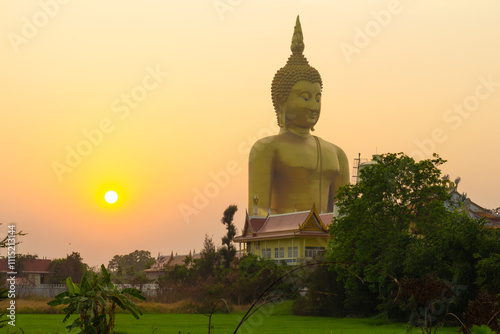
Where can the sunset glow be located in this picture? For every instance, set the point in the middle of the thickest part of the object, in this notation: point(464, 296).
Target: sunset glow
point(161, 101)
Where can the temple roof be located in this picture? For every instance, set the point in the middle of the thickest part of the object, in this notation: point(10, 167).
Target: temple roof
point(492, 219)
point(286, 225)
point(284, 222)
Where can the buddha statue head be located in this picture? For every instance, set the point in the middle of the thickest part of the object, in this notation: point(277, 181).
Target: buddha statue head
point(296, 70)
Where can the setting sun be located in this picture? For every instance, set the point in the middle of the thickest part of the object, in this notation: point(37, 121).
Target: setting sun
point(111, 197)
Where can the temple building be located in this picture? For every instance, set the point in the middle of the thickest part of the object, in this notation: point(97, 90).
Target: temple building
point(491, 217)
point(293, 238)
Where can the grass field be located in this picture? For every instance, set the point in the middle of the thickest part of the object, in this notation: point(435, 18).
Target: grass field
point(222, 323)
point(274, 319)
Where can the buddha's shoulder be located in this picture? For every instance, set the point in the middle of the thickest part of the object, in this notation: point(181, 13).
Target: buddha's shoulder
point(279, 141)
point(332, 148)
point(267, 143)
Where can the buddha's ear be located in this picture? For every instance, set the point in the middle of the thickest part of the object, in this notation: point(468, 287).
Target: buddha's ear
point(281, 116)
point(281, 112)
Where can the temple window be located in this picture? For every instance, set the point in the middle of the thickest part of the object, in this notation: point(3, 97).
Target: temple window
point(314, 251)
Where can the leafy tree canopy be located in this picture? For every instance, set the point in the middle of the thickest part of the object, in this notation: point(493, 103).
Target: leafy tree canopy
point(209, 258)
point(397, 200)
point(131, 265)
point(399, 229)
point(71, 266)
point(228, 251)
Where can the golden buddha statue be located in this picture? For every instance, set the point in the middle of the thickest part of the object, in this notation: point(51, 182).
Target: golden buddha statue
point(294, 170)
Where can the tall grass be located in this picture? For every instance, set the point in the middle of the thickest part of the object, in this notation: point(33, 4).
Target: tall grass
point(39, 306)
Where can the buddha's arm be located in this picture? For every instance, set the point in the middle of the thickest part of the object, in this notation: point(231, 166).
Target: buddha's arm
point(260, 176)
point(341, 179)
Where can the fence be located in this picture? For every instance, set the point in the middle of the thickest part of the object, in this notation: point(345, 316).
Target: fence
point(51, 290)
point(40, 290)
point(148, 290)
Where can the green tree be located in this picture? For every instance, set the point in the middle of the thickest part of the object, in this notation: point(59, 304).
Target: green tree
point(394, 212)
point(130, 267)
point(401, 235)
point(488, 265)
point(228, 251)
point(397, 201)
point(71, 266)
point(209, 258)
point(253, 276)
point(95, 301)
point(321, 293)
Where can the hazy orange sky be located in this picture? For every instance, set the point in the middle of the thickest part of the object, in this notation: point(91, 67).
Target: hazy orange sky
point(160, 99)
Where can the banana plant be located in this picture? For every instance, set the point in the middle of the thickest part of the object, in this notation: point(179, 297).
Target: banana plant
point(95, 300)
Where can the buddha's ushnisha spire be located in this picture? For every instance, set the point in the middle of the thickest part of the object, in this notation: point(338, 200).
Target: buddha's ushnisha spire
point(297, 38)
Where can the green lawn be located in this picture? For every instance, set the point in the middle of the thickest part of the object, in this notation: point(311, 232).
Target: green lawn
point(223, 323)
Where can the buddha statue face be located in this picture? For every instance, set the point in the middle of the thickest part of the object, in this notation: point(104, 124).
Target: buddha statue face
point(302, 106)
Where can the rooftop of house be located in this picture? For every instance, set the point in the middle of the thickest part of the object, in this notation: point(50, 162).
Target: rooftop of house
point(32, 266)
point(164, 262)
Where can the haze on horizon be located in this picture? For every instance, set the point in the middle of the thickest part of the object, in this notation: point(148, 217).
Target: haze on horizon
point(161, 102)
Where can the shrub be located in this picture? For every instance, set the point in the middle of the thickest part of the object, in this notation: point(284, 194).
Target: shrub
point(484, 310)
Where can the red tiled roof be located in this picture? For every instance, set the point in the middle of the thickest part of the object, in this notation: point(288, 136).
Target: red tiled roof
point(284, 222)
point(29, 266)
point(327, 218)
point(257, 223)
